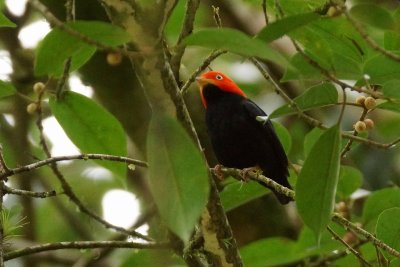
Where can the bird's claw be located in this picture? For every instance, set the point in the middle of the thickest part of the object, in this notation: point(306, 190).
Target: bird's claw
point(244, 172)
point(218, 172)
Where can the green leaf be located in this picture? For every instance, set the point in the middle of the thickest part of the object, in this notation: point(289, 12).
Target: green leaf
point(269, 252)
point(238, 193)
point(391, 88)
point(58, 46)
point(284, 136)
point(350, 179)
point(5, 22)
point(310, 139)
point(6, 89)
point(314, 97)
point(281, 27)
point(388, 228)
point(373, 15)
point(178, 175)
point(389, 105)
point(381, 69)
point(391, 40)
point(379, 201)
point(300, 69)
point(91, 128)
point(316, 185)
point(233, 41)
point(335, 45)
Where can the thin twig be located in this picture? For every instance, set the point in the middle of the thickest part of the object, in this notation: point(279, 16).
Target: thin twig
point(343, 106)
point(350, 248)
point(187, 28)
point(238, 174)
point(3, 165)
point(347, 224)
point(264, 8)
point(335, 255)
point(9, 190)
point(82, 245)
point(216, 16)
point(357, 26)
point(48, 161)
point(214, 54)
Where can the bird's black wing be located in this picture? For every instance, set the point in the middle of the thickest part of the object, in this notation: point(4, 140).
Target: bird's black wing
point(268, 129)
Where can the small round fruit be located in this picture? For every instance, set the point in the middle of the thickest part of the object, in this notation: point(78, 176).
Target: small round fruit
point(38, 87)
point(32, 108)
point(360, 126)
point(370, 103)
point(341, 207)
point(350, 238)
point(360, 100)
point(369, 123)
point(114, 59)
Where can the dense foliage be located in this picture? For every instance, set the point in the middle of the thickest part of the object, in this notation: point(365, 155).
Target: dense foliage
point(327, 72)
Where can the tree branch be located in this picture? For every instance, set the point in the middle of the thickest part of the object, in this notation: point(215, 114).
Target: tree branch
point(350, 248)
point(187, 28)
point(9, 190)
point(347, 224)
point(82, 245)
point(357, 26)
point(51, 160)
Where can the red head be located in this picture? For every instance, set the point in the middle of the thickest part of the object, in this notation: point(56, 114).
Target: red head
point(220, 80)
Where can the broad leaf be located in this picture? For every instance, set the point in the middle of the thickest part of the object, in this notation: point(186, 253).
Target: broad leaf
point(392, 88)
point(6, 89)
point(270, 252)
point(91, 128)
point(350, 179)
point(5, 22)
point(335, 45)
point(373, 15)
point(391, 40)
point(381, 69)
point(283, 135)
point(379, 201)
point(389, 105)
point(178, 175)
point(310, 139)
point(281, 27)
point(233, 41)
point(58, 46)
point(314, 97)
point(316, 185)
point(300, 69)
point(388, 228)
point(238, 193)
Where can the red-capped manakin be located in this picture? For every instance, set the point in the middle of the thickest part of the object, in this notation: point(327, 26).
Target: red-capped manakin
point(238, 138)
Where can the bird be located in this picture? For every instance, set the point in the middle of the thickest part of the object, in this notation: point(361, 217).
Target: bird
point(239, 138)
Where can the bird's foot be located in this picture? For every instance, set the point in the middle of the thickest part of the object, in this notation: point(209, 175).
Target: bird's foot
point(244, 172)
point(218, 172)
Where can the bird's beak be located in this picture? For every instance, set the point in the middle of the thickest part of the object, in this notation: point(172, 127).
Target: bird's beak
point(202, 81)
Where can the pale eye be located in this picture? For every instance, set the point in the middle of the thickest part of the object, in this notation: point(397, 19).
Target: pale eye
point(218, 77)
